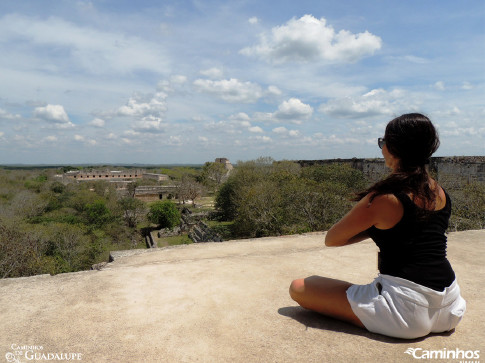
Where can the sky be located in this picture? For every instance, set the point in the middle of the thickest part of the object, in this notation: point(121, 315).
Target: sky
point(179, 81)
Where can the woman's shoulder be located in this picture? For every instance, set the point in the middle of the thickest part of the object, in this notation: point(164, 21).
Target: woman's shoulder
point(383, 200)
point(388, 208)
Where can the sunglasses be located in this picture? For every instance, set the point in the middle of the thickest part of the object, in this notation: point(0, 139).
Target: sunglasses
point(381, 142)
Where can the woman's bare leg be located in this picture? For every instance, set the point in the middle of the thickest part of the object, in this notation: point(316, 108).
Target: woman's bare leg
point(326, 296)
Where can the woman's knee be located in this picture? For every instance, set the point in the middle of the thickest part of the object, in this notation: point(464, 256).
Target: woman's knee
point(297, 288)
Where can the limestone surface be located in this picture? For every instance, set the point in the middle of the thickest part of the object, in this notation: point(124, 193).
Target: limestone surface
point(221, 302)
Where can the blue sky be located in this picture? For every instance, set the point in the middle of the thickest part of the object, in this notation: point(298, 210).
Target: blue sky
point(161, 82)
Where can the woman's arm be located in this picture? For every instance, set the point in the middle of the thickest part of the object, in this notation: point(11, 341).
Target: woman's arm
point(384, 212)
point(358, 237)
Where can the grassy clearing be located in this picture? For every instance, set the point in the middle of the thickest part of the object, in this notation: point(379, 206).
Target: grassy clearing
point(183, 239)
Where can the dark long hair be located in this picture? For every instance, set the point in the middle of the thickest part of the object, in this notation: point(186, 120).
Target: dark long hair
point(411, 138)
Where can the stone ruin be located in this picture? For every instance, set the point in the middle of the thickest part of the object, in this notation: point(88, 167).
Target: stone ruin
point(201, 232)
point(468, 168)
point(198, 231)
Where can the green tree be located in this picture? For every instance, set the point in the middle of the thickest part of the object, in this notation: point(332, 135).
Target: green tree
point(97, 213)
point(227, 199)
point(178, 172)
point(264, 197)
point(189, 189)
point(131, 187)
point(132, 210)
point(337, 173)
point(475, 195)
point(165, 214)
point(261, 213)
point(28, 204)
point(57, 187)
point(468, 207)
point(66, 248)
point(213, 174)
point(16, 249)
point(36, 184)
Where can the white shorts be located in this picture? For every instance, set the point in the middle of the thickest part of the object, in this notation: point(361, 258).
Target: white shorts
point(403, 309)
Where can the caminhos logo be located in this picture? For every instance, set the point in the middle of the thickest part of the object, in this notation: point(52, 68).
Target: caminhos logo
point(458, 354)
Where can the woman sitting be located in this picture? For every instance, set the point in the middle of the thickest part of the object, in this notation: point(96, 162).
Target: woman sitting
point(406, 215)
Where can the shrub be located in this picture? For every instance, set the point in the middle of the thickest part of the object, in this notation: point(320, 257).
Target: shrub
point(165, 214)
point(97, 213)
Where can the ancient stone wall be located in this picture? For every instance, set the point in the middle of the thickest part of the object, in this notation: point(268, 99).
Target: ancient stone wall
point(104, 175)
point(470, 168)
point(156, 192)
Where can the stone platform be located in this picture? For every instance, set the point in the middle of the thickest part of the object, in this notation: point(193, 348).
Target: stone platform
point(220, 302)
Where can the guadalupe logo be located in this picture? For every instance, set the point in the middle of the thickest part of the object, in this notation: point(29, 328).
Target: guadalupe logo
point(26, 353)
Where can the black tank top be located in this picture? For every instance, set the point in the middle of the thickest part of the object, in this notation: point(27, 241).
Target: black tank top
point(415, 249)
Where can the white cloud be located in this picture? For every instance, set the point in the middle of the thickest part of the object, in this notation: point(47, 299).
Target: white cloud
point(178, 79)
point(265, 139)
point(235, 124)
point(97, 122)
point(253, 20)
point(311, 39)
point(84, 47)
point(440, 86)
point(139, 105)
point(81, 138)
point(467, 86)
point(214, 73)
point(54, 114)
point(256, 129)
point(274, 91)
point(417, 60)
point(461, 131)
point(175, 140)
point(50, 138)
point(337, 140)
point(169, 86)
point(149, 124)
point(447, 112)
point(407, 59)
point(231, 90)
point(241, 117)
point(293, 110)
point(375, 102)
point(283, 131)
point(8, 116)
point(362, 129)
point(280, 130)
point(147, 113)
point(2, 133)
